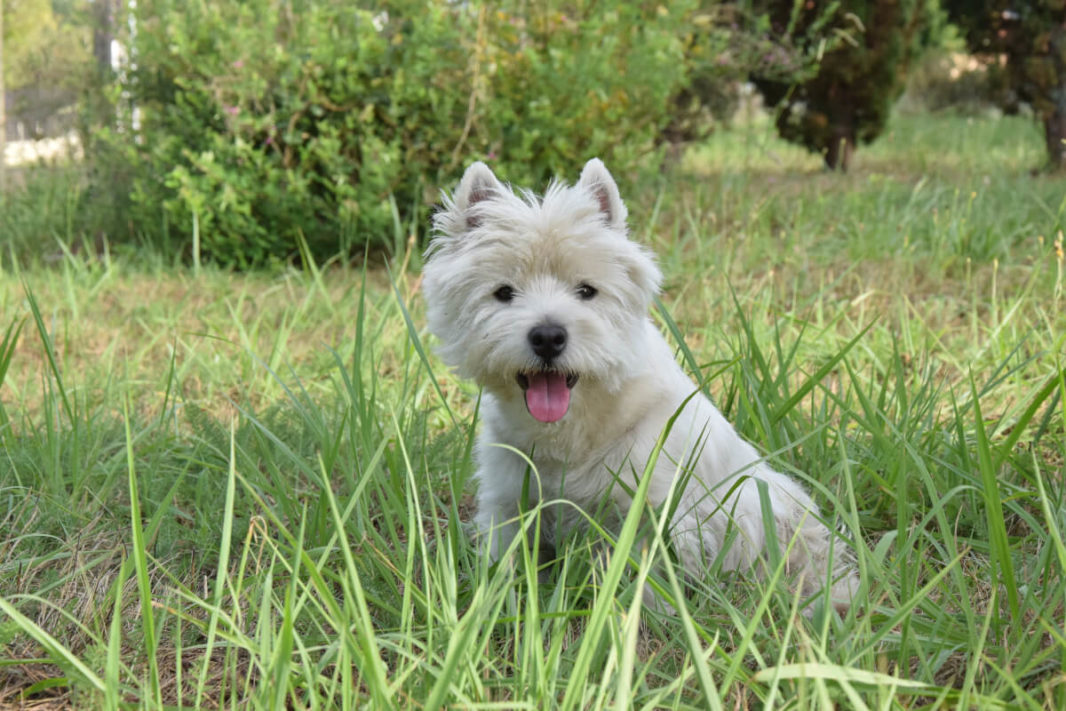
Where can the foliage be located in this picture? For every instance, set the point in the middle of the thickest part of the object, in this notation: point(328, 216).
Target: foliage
point(865, 47)
point(45, 43)
point(952, 80)
point(25, 22)
point(1031, 37)
point(724, 43)
point(265, 124)
point(39, 208)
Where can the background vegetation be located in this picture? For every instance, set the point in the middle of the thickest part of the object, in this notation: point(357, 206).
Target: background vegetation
point(1024, 44)
point(223, 486)
point(259, 132)
point(267, 124)
point(848, 97)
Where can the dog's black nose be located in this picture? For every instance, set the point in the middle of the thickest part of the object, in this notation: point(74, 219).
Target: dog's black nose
point(548, 340)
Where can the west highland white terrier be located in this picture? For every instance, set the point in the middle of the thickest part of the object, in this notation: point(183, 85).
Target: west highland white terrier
point(544, 302)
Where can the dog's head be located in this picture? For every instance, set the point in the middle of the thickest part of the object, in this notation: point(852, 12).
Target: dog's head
point(538, 295)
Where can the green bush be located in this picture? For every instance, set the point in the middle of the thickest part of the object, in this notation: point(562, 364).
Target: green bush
point(265, 123)
point(37, 211)
point(861, 70)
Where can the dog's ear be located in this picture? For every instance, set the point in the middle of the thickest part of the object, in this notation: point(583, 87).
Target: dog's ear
point(596, 179)
point(478, 184)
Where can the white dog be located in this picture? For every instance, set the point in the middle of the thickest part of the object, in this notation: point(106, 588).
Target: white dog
point(544, 303)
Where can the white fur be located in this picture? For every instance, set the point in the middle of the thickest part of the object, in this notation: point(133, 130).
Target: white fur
point(629, 382)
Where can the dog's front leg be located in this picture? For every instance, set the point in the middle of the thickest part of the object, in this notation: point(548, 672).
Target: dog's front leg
point(500, 476)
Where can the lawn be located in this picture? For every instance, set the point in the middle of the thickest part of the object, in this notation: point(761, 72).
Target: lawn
point(252, 490)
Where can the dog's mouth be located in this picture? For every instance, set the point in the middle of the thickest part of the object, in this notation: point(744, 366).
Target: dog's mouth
point(547, 393)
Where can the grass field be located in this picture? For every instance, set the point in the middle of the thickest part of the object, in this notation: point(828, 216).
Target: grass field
point(251, 490)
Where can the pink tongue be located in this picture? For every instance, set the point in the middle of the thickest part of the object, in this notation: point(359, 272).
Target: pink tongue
point(547, 397)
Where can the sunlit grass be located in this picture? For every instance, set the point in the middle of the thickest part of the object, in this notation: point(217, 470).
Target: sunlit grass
point(252, 489)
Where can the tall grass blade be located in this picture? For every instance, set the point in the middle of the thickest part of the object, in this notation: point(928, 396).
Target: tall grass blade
point(997, 526)
point(140, 563)
point(49, 351)
point(7, 352)
point(1053, 383)
point(372, 665)
point(59, 654)
point(416, 341)
point(223, 566)
point(782, 410)
point(114, 643)
point(679, 339)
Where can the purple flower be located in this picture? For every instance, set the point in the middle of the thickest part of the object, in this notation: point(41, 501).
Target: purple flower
point(232, 110)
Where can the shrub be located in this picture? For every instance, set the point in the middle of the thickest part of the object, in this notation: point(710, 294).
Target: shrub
point(848, 99)
point(722, 44)
point(264, 123)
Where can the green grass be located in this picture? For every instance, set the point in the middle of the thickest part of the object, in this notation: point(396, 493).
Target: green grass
point(252, 490)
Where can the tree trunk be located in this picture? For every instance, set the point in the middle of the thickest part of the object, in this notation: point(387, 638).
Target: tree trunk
point(838, 152)
point(99, 109)
point(1055, 138)
point(102, 35)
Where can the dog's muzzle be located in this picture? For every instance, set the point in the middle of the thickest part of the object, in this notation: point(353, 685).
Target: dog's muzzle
point(547, 391)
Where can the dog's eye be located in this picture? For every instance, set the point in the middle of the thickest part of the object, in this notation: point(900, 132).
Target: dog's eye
point(586, 291)
point(504, 293)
